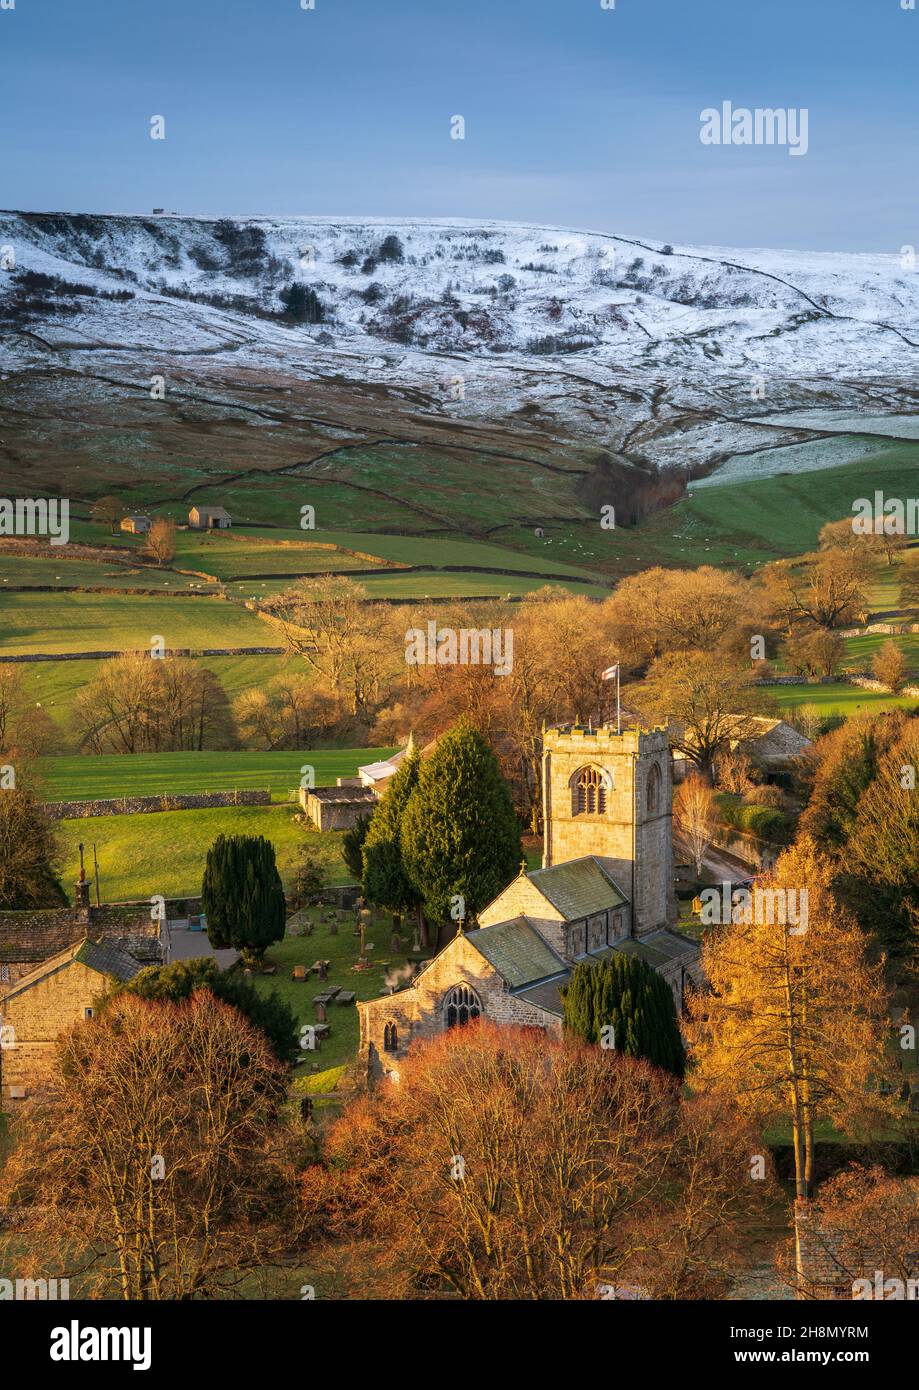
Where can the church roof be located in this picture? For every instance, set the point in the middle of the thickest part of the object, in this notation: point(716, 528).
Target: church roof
point(577, 888)
point(517, 952)
point(660, 948)
point(545, 995)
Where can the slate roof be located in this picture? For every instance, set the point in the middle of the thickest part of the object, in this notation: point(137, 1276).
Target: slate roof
point(35, 935)
point(345, 796)
point(108, 960)
point(95, 955)
point(517, 952)
point(660, 948)
point(546, 995)
point(578, 888)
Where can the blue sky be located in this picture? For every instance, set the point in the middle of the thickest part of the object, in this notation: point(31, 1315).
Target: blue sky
point(575, 115)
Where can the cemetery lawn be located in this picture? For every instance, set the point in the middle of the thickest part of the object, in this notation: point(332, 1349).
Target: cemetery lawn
point(342, 949)
point(91, 778)
point(165, 852)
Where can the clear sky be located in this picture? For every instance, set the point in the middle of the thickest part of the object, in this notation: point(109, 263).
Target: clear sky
point(575, 115)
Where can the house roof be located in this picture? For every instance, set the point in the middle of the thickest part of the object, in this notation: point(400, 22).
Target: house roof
point(34, 936)
point(517, 952)
point(108, 960)
point(212, 511)
point(578, 888)
point(98, 956)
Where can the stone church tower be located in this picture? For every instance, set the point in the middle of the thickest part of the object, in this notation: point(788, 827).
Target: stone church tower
point(611, 794)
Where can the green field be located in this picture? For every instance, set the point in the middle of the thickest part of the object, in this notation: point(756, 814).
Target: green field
point(80, 778)
point(740, 525)
point(837, 698)
point(860, 650)
point(165, 852)
point(69, 622)
point(54, 684)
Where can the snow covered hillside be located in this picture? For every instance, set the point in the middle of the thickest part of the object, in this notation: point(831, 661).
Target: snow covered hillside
point(667, 354)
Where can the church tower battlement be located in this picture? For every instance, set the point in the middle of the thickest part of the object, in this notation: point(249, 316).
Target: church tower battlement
point(611, 794)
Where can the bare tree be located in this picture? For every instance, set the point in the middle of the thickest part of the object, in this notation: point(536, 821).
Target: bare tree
point(157, 1167)
point(161, 540)
point(695, 815)
point(108, 511)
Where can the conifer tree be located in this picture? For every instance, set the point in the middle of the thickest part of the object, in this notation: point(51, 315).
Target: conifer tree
point(624, 993)
point(385, 880)
point(459, 833)
point(242, 895)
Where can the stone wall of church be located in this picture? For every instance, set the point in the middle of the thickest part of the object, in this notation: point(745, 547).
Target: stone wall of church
point(418, 1012)
point(521, 899)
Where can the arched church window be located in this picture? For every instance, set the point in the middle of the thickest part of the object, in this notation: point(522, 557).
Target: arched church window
point(589, 793)
point(654, 789)
point(461, 1005)
point(390, 1038)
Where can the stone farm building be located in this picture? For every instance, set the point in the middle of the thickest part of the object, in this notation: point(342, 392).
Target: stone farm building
point(338, 807)
point(137, 524)
point(209, 519)
point(606, 885)
point(53, 964)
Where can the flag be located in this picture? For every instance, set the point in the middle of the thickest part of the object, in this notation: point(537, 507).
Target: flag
point(610, 673)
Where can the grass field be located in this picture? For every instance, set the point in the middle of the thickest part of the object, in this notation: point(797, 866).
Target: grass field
point(860, 650)
point(150, 774)
point(91, 622)
point(836, 698)
point(741, 524)
point(165, 852)
point(54, 684)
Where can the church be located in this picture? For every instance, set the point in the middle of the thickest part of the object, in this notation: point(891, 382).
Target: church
point(606, 885)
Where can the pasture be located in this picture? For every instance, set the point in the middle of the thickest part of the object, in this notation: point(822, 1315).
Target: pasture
point(836, 698)
point(165, 852)
point(69, 622)
point(172, 774)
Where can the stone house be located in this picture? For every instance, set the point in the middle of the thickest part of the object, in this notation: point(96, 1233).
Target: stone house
point(209, 519)
point(47, 1001)
point(138, 524)
point(606, 885)
point(771, 744)
point(52, 964)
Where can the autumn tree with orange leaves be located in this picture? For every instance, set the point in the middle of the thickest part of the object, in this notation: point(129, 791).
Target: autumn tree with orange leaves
point(795, 1024)
point(507, 1165)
